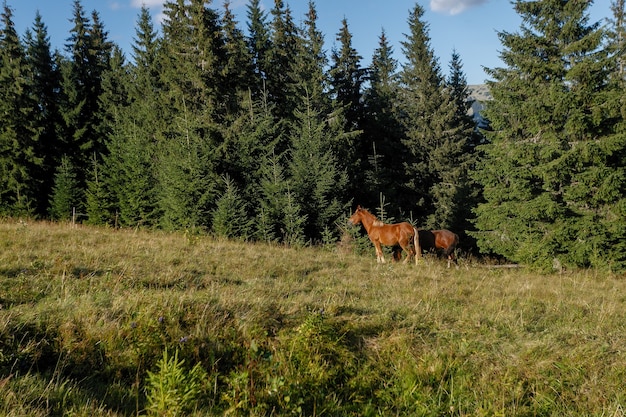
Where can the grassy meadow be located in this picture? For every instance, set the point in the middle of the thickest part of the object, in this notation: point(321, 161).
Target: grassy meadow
point(101, 322)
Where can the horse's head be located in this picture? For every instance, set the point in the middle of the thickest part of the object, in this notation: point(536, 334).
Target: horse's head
point(357, 216)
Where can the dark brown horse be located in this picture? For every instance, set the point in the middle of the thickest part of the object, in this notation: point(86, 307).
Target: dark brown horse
point(403, 234)
point(442, 241)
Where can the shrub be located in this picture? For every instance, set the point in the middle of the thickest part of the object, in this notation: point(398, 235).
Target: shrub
point(172, 391)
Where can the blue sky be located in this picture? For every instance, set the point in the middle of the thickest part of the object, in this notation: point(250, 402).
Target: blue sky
point(468, 26)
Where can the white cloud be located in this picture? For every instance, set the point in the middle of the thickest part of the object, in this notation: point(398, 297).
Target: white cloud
point(454, 6)
point(155, 7)
point(148, 3)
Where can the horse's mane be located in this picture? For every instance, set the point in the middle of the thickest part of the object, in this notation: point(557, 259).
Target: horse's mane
point(375, 222)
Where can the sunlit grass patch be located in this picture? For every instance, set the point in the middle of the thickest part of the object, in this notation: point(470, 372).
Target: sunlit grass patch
point(87, 314)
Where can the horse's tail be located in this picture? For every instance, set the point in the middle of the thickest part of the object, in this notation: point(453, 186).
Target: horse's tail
point(416, 245)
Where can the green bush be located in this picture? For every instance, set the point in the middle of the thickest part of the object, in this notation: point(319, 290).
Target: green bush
point(172, 390)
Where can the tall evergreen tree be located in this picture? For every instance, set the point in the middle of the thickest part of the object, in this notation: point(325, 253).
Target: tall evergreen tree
point(259, 44)
point(347, 78)
point(466, 191)
point(106, 58)
point(88, 51)
point(553, 173)
point(617, 38)
point(247, 141)
point(193, 55)
point(309, 65)
point(346, 83)
point(383, 132)
point(237, 72)
point(115, 91)
point(273, 199)
point(101, 193)
point(129, 165)
point(19, 162)
point(187, 146)
point(318, 181)
point(428, 115)
point(46, 83)
point(283, 49)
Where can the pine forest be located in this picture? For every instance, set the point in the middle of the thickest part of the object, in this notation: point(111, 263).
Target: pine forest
point(256, 131)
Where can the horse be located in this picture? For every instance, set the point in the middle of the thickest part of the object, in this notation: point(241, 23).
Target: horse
point(441, 241)
point(381, 233)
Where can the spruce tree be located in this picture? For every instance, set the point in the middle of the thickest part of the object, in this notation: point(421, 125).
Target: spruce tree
point(383, 132)
point(318, 182)
point(102, 205)
point(259, 44)
point(88, 52)
point(97, 196)
point(105, 58)
point(46, 83)
point(294, 221)
point(130, 171)
point(114, 96)
point(283, 49)
point(19, 161)
point(66, 196)
point(273, 199)
point(186, 178)
point(230, 216)
point(346, 84)
point(309, 65)
point(192, 57)
point(433, 138)
point(617, 38)
point(466, 192)
point(347, 78)
point(187, 145)
point(247, 141)
point(553, 172)
point(615, 141)
point(236, 74)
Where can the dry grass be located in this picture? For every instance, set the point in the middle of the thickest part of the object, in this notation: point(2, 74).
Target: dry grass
point(86, 312)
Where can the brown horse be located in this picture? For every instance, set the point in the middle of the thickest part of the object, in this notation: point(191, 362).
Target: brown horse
point(441, 241)
point(388, 234)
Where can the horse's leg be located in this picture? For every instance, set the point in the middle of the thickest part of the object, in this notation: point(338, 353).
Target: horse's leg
point(407, 248)
point(379, 253)
point(450, 254)
point(396, 254)
point(409, 254)
point(452, 258)
point(410, 250)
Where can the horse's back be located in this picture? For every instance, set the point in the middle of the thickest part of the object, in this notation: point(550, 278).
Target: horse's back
point(391, 234)
point(446, 240)
point(438, 239)
point(446, 237)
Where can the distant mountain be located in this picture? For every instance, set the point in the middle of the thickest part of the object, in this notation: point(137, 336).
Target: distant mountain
point(479, 94)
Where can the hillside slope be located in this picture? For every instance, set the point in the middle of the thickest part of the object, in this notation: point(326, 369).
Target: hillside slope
point(89, 314)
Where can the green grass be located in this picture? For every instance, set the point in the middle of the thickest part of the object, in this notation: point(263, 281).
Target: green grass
point(88, 313)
